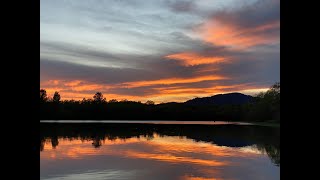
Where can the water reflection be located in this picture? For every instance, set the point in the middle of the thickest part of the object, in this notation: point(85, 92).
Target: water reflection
point(135, 151)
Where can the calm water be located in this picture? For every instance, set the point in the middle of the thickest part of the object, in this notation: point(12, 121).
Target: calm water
point(158, 151)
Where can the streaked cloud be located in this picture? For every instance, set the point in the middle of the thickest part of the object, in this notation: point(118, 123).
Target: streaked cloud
point(170, 81)
point(164, 50)
point(246, 27)
point(223, 34)
point(191, 59)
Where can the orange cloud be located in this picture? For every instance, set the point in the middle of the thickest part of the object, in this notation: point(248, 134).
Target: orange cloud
point(73, 83)
point(204, 91)
point(170, 81)
point(66, 95)
point(88, 87)
point(192, 59)
point(226, 34)
point(55, 82)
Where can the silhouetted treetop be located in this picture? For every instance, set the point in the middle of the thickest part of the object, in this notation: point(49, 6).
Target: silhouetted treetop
point(98, 97)
point(113, 101)
point(43, 95)
point(150, 102)
point(56, 97)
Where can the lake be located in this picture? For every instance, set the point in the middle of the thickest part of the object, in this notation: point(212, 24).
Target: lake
point(159, 151)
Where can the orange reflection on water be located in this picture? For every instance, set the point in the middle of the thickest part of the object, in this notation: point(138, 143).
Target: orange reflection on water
point(172, 144)
point(171, 149)
point(77, 149)
point(180, 145)
point(174, 159)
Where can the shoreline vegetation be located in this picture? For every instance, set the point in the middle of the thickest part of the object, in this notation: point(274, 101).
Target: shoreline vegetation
point(261, 109)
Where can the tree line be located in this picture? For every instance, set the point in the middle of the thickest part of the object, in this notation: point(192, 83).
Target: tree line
point(265, 107)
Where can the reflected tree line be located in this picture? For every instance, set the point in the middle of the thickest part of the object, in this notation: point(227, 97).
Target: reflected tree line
point(266, 139)
point(265, 107)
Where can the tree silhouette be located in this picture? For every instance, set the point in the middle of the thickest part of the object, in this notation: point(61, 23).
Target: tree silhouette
point(113, 101)
point(96, 142)
point(267, 105)
point(56, 97)
point(54, 142)
point(98, 97)
point(43, 95)
point(276, 87)
point(150, 102)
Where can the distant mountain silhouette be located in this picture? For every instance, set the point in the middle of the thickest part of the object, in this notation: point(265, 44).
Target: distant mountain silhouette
point(221, 99)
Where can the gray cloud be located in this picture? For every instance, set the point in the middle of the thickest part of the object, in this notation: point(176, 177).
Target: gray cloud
point(261, 12)
point(52, 70)
point(182, 6)
point(112, 42)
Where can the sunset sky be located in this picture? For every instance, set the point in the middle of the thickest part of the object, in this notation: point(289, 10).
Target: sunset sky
point(160, 50)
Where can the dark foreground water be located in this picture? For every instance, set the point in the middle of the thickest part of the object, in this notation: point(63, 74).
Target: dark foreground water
point(82, 151)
